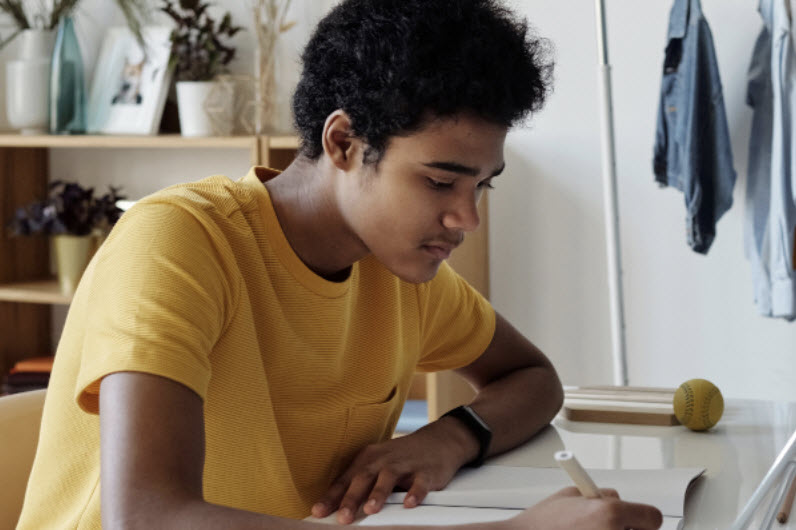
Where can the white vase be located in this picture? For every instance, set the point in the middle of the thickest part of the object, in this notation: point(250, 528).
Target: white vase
point(191, 97)
point(27, 82)
point(27, 89)
point(36, 44)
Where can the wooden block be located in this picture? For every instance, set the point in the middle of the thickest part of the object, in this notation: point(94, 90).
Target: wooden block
point(634, 413)
point(614, 416)
point(612, 388)
point(633, 394)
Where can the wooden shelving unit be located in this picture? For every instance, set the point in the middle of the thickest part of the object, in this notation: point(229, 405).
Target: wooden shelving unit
point(162, 141)
point(261, 148)
point(38, 292)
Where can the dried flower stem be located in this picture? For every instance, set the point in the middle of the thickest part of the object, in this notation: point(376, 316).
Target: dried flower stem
point(269, 23)
point(15, 9)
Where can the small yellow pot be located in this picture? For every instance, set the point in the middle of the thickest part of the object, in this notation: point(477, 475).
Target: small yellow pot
point(72, 254)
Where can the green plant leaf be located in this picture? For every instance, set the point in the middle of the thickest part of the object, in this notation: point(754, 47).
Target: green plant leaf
point(197, 40)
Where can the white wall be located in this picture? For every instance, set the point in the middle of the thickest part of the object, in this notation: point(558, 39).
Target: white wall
point(687, 315)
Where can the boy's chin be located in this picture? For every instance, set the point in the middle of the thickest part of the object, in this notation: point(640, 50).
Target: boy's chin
point(417, 274)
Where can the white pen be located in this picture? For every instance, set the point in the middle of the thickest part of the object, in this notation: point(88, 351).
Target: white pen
point(567, 461)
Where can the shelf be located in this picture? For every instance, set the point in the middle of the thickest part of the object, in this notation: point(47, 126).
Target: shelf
point(168, 141)
point(40, 292)
point(282, 142)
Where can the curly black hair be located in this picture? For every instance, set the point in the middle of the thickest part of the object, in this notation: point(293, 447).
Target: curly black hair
point(391, 63)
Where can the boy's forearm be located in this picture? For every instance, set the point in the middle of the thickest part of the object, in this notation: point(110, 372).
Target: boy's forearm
point(201, 515)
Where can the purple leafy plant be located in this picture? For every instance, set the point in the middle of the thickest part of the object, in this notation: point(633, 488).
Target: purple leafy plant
point(69, 209)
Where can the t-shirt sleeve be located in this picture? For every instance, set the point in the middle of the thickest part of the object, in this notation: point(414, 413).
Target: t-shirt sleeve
point(157, 301)
point(457, 323)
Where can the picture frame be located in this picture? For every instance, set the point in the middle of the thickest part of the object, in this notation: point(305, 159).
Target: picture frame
point(129, 87)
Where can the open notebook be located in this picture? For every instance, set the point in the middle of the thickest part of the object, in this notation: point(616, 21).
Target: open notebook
point(492, 493)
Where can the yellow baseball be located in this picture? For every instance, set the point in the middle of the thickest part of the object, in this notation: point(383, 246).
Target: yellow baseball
point(698, 404)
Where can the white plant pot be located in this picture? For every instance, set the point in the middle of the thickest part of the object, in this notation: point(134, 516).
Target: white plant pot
point(27, 82)
point(191, 97)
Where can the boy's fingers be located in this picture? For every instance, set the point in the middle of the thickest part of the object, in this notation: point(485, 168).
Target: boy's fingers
point(642, 516)
point(609, 492)
point(331, 500)
point(353, 498)
point(417, 493)
point(385, 483)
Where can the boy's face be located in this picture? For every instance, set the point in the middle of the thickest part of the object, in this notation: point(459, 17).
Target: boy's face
point(414, 208)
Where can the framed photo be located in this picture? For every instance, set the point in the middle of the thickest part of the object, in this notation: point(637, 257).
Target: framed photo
point(129, 87)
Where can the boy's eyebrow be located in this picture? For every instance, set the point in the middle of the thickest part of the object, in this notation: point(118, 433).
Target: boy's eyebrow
point(455, 167)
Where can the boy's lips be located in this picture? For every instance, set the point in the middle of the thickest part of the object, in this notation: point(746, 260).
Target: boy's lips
point(439, 250)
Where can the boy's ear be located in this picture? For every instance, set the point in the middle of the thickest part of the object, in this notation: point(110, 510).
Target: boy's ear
point(340, 144)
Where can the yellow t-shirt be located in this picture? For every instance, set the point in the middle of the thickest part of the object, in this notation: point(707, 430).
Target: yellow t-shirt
point(197, 283)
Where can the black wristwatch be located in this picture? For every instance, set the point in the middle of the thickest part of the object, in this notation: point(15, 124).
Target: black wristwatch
point(478, 427)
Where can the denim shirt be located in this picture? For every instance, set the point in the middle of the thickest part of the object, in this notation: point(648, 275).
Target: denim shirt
point(692, 143)
point(770, 211)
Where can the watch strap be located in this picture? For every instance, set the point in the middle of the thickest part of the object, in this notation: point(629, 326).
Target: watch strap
point(479, 429)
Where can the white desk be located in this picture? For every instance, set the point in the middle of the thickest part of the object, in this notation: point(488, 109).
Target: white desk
point(737, 453)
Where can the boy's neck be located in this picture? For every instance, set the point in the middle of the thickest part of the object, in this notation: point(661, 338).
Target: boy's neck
point(309, 215)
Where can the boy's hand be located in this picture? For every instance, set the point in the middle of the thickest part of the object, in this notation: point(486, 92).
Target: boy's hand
point(420, 462)
point(568, 509)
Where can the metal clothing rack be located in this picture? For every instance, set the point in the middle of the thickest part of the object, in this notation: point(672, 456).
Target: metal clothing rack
point(610, 202)
point(783, 469)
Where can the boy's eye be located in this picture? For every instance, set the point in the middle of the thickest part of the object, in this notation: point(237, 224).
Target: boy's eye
point(438, 184)
point(486, 184)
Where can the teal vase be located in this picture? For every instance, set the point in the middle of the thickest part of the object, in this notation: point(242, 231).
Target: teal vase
point(67, 86)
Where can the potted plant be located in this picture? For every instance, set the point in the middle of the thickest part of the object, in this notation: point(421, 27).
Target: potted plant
point(198, 55)
point(76, 220)
point(28, 75)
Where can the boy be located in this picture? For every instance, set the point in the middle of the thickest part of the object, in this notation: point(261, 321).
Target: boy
point(238, 353)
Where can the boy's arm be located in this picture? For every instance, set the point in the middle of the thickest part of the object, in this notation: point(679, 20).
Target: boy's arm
point(152, 441)
point(152, 458)
point(518, 393)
